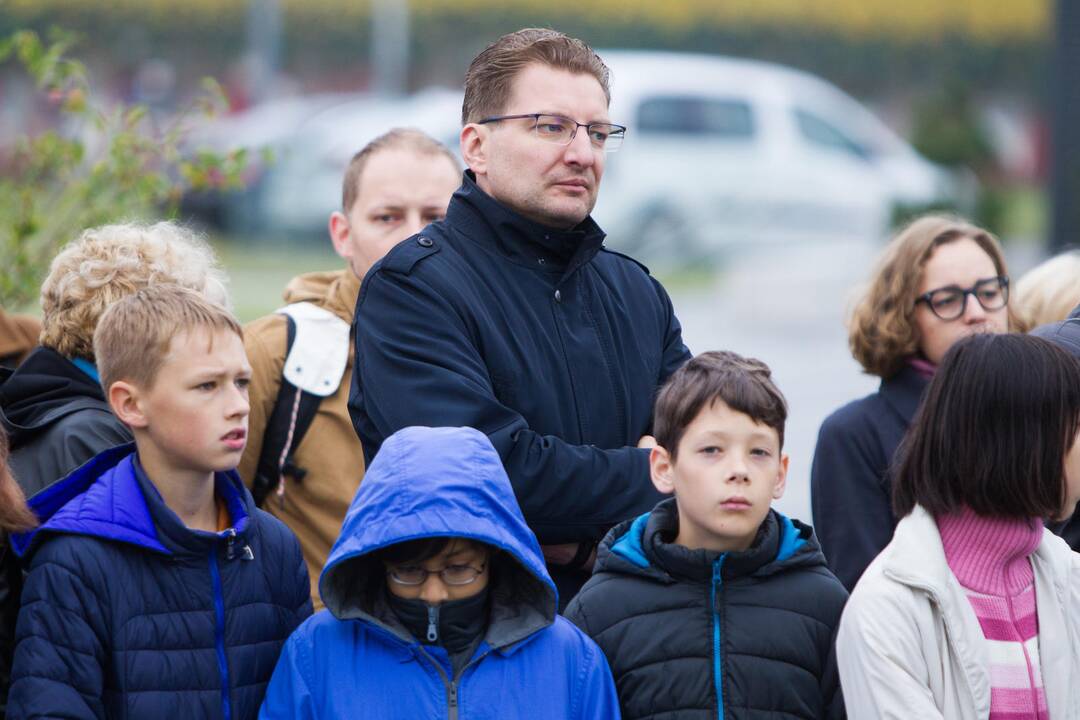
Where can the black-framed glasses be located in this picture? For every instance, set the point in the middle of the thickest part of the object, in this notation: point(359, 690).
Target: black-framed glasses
point(455, 575)
point(950, 302)
point(562, 130)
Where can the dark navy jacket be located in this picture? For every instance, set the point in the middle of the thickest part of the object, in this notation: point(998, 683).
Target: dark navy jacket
point(545, 341)
point(127, 613)
point(699, 635)
point(358, 661)
point(850, 486)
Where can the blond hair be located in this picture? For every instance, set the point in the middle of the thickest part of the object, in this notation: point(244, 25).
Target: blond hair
point(109, 262)
point(489, 78)
point(133, 336)
point(1049, 291)
point(881, 327)
point(396, 139)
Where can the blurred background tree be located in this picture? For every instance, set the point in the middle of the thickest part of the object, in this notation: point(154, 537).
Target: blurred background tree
point(101, 163)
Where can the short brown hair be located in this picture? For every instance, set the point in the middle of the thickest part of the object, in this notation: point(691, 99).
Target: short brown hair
point(743, 384)
point(106, 263)
point(492, 72)
point(133, 336)
point(993, 431)
point(881, 328)
point(396, 139)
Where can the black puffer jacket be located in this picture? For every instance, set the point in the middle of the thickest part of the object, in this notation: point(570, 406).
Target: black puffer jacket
point(56, 418)
point(10, 587)
point(691, 634)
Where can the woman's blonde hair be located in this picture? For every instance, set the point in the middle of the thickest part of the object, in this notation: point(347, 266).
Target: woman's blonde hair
point(1049, 291)
point(881, 328)
point(113, 261)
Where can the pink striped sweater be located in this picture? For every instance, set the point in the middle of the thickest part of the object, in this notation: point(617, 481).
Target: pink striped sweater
point(990, 559)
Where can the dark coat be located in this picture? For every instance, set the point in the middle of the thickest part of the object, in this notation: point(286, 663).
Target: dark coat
point(127, 613)
point(850, 487)
point(56, 418)
point(692, 634)
point(358, 661)
point(547, 342)
point(10, 588)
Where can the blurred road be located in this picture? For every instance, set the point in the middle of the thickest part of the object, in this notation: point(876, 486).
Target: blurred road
point(786, 306)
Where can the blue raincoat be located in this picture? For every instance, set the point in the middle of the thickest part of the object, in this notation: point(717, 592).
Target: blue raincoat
point(356, 662)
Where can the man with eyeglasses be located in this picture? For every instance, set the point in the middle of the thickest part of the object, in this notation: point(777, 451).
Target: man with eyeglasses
point(511, 316)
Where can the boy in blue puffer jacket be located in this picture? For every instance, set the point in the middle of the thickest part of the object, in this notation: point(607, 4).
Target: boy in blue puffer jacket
point(155, 588)
point(714, 605)
point(440, 605)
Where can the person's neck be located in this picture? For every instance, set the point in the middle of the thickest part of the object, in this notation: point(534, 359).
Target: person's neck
point(706, 541)
point(188, 493)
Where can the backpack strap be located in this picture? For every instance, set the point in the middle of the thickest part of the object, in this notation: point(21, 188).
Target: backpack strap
point(316, 353)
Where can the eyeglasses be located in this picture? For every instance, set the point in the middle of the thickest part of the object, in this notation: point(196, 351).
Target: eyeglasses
point(455, 575)
point(562, 130)
point(950, 302)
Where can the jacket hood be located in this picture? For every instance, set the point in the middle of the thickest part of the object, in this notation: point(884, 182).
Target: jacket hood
point(1064, 334)
point(43, 389)
point(438, 482)
point(631, 548)
point(110, 498)
point(334, 290)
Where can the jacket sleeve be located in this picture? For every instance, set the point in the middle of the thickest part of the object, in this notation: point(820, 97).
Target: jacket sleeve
point(60, 650)
point(264, 341)
point(416, 364)
point(596, 698)
point(832, 697)
point(882, 668)
point(852, 509)
point(301, 583)
point(675, 351)
point(289, 695)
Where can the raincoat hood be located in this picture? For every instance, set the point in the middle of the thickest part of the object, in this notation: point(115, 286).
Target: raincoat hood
point(439, 482)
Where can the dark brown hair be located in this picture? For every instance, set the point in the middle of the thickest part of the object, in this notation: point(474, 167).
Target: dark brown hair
point(490, 76)
point(743, 384)
point(15, 516)
point(396, 139)
point(993, 431)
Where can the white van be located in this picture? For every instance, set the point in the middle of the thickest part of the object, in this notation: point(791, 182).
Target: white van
point(722, 152)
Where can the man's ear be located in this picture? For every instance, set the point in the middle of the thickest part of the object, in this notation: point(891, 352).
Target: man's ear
point(125, 401)
point(474, 147)
point(781, 478)
point(662, 470)
point(338, 227)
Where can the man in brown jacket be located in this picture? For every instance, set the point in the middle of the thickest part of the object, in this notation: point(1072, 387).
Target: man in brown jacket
point(397, 184)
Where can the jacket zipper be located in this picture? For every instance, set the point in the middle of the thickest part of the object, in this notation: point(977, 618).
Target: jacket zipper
point(718, 669)
point(219, 633)
point(452, 685)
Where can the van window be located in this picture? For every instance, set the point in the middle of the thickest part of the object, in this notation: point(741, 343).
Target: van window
point(688, 115)
point(826, 135)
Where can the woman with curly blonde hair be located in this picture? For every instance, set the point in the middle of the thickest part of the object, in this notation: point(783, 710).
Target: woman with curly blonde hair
point(940, 279)
point(52, 405)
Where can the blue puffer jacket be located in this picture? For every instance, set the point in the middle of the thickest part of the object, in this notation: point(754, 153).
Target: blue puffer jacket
point(358, 662)
point(127, 613)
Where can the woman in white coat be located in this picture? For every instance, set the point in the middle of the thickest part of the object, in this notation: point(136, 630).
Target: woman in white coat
point(973, 610)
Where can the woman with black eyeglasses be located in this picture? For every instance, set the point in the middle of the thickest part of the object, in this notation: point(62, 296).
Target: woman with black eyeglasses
point(439, 603)
point(940, 279)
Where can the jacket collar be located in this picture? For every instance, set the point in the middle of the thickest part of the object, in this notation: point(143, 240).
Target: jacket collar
point(916, 558)
point(110, 498)
point(43, 389)
point(903, 392)
point(647, 544)
point(485, 220)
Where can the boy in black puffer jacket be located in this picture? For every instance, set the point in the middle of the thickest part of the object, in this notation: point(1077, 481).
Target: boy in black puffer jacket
point(714, 604)
point(156, 589)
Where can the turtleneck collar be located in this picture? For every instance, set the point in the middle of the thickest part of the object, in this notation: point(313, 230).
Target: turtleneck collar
point(990, 555)
point(484, 219)
point(453, 625)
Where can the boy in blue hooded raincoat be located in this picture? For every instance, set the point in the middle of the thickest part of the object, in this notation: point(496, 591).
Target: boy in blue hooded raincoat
point(440, 603)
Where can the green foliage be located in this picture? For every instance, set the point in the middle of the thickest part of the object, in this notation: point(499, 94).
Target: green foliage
point(103, 164)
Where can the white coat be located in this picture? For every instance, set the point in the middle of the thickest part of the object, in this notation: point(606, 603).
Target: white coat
point(910, 645)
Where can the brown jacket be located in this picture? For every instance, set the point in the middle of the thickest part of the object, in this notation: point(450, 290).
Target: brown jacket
point(18, 336)
point(329, 450)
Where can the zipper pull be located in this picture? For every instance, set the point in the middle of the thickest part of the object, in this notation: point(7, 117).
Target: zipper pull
point(230, 545)
point(453, 695)
point(432, 623)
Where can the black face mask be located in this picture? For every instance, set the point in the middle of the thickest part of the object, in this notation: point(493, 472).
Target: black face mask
point(453, 625)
